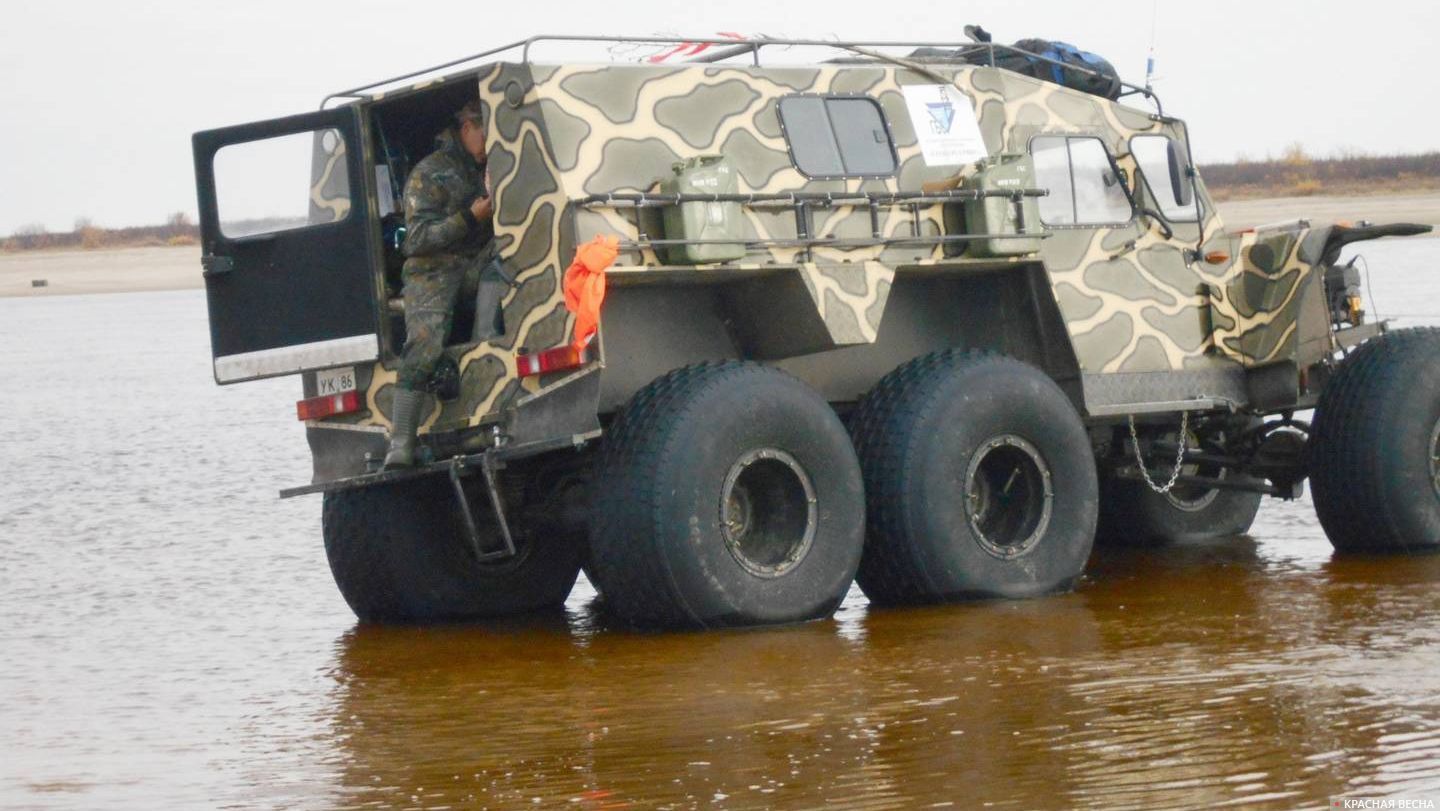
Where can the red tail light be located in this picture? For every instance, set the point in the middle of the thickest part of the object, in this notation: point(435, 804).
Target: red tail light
point(552, 360)
point(328, 405)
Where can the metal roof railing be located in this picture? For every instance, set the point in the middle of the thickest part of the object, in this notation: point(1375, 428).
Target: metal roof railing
point(803, 202)
point(740, 47)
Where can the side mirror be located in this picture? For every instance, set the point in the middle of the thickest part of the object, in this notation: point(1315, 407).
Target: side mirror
point(1180, 184)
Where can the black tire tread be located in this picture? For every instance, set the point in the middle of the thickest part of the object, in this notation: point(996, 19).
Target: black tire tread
point(889, 571)
point(396, 561)
point(636, 442)
point(367, 586)
point(1345, 480)
point(1123, 522)
point(1131, 514)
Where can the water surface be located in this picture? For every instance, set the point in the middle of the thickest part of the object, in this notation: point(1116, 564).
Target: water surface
point(171, 638)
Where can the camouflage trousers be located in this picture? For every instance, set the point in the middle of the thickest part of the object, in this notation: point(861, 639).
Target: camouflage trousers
point(431, 293)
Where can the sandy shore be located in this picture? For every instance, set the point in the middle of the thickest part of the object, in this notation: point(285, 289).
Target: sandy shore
point(137, 269)
point(119, 271)
point(1422, 208)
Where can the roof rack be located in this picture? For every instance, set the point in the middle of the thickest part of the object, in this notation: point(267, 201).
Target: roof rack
point(741, 46)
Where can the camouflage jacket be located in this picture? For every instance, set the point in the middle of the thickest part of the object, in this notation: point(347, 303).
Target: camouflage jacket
point(438, 224)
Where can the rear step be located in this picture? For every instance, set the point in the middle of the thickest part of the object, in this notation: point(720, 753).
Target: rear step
point(489, 462)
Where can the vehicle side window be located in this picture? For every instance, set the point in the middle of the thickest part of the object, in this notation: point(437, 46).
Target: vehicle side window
point(1084, 183)
point(1052, 171)
point(1152, 156)
point(837, 136)
point(261, 188)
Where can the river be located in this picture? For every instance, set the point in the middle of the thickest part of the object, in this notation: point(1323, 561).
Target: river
point(171, 638)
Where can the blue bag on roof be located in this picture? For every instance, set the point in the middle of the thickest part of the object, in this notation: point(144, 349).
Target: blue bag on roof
point(1058, 62)
point(1094, 75)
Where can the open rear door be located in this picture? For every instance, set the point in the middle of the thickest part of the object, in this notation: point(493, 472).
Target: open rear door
point(287, 245)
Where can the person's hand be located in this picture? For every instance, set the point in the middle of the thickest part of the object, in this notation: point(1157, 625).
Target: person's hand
point(480, 208)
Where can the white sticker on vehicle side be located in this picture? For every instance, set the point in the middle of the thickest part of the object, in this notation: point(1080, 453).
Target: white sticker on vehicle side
point(945, 123)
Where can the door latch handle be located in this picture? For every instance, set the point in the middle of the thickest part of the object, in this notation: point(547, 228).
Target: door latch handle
point(216, 265)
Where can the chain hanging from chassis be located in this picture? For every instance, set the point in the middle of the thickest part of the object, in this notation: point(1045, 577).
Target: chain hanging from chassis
point(1269, 457)
point(1179, 456)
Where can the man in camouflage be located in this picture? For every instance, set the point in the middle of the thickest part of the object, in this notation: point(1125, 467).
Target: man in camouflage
point(448, 233)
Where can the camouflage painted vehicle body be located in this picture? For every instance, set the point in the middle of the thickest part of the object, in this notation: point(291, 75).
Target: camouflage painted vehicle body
point(862, 284)
point(1133, 308)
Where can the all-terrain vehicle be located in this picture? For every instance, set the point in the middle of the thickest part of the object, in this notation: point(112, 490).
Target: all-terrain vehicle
point(931, 322)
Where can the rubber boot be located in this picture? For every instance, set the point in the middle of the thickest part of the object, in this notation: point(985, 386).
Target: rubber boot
point(406, 418)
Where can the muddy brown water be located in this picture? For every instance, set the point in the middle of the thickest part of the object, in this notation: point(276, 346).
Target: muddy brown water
point(171, 638)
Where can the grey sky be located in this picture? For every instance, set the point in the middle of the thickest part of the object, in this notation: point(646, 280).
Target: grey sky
point(99, 99)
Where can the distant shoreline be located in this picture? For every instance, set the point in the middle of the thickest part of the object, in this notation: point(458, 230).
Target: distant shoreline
point(1296, 174)
point(115, 270)
point(129, 270)
point(1417, 207)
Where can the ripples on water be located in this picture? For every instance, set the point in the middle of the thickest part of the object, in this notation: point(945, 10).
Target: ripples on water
point(171, 637)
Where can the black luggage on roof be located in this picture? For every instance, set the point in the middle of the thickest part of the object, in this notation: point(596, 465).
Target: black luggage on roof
point(1052, 61)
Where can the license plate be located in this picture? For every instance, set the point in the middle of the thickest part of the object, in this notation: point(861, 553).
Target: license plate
point(334, 381)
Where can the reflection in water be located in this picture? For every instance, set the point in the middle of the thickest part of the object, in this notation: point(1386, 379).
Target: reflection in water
point(171, 638)
point(1190, 676)
point(807, 713)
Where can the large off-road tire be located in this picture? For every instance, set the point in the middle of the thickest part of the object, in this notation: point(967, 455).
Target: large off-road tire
point(1131, 514)
point(979, 479)
point(399, 554)
point(727, 494)
point(1374, 453)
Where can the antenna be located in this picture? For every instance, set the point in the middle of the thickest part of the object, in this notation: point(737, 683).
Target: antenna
point(1150, 60)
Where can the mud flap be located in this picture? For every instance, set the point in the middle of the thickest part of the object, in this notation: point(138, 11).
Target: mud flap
point(567, 407)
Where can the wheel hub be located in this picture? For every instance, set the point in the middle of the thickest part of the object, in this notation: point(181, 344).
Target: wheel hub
point(1193, 498)
point(1009, 496)
point(768, 512)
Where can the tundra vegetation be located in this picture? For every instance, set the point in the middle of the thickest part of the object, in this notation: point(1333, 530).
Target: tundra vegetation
point(1297, 174)
point(1294, 173)
point(178, 229)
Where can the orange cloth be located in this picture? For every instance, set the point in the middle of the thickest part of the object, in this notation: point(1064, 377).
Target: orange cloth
point(585, 285)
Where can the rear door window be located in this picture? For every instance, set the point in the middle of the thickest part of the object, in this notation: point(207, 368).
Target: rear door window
point(1084, 182)
point(837, 136)
point(256, 186)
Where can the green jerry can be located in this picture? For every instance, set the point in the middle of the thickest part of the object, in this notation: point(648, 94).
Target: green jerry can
point(997, 215)
point(705, 174)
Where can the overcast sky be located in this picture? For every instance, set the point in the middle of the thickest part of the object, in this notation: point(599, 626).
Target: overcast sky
point(98, 100)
